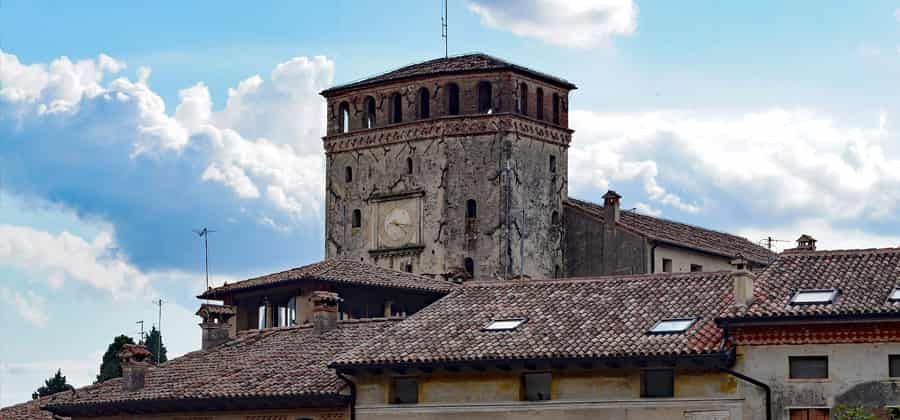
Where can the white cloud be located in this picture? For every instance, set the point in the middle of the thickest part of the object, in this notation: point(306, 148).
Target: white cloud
point(774, 163)
point(570, 23)
point(30, 306)
point(897, 14)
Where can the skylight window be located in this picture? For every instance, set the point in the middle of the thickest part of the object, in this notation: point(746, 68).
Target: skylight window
point(670, 326)
point(811, 297)
point(508, 324)
point(895, 295)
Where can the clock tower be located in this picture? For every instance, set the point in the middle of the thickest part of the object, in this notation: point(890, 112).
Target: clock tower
point(454, 167)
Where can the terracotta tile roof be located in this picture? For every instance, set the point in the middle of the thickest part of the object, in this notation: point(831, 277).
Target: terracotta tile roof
point(681, 234)
point(864, 278)
point(591, 318)
point(271, 363)
point(211, 308)
point(466, 63)
point(338, 271)
point(30, 410)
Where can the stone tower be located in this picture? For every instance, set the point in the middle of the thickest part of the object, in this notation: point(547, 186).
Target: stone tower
point(454, 167)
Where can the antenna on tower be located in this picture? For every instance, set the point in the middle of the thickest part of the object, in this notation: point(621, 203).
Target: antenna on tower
point(143, 337)
point(444, 29)
point(158, 303)
point(204, 233)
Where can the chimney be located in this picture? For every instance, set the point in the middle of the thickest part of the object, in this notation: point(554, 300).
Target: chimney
point(134, 366)
point(611, 206)
point(740, 263)
point(743, 288)
point(216, 324)
point(806, 243)
point(325, 310)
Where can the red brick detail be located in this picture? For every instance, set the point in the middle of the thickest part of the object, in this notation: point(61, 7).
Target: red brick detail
point(816, 334)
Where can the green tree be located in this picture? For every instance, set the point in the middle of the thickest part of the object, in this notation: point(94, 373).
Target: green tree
point(154, 344)
point(843, 412)
point(110, 367)
point(55, 384)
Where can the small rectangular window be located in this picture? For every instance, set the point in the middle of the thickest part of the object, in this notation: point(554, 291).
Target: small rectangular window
point(808, 367)
point(667, 265)
point(405, 391)
point(672, 325)
point(814, 296)
point(895, 295)
point(505, 324)
point(894, 361)
point(696, 268)
point(552, 164)
point(536, 386)
point(658, 383)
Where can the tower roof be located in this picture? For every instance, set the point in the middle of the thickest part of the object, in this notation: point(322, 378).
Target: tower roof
point(467, 63)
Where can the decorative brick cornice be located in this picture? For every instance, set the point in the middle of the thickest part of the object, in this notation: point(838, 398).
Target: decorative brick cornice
point(875, 332)
point(463, 125)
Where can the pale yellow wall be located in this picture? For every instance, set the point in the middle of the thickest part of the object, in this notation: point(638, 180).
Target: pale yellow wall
point(315, 414)
point(683, 258)
point(600, 394)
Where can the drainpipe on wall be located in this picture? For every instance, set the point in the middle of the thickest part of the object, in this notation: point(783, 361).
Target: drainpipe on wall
point(653, 258)
point(352, 386)
point(757, 383)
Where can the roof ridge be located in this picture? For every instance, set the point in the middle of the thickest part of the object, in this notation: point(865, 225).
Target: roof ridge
point(846, 251)
point(597, 279)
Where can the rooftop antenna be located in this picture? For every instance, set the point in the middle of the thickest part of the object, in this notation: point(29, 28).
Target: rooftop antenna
point(143, 338)
point(444, 29)
point(158, 303)
point(204, 233)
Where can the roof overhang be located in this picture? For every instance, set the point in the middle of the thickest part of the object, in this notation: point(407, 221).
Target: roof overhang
point(806, 319)
point(155, 406)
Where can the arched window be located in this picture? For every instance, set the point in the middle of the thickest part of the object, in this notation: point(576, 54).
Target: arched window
point(470, 266)
point(396, 108)
point(556, 272)
point(452, 99)
point(552, 164)
point(348, 174)
point(555, 108)
point(344, 117)
point(409, 166)
point(408, 268)
point(523, 99)
point(471, 209)
point(424, 104)
point(357, 218)
point(554, 218)
point(539, 98)
point(485, 97)
point(369, 115)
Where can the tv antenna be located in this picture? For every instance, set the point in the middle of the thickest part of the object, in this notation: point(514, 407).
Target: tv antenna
point(204, 233)
point(158, 303)
point(444, 29)
point(143, 338)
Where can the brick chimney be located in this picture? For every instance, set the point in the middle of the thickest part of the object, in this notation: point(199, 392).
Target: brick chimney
point(611, 206)
point(216, 324)
point(133, 358)
point(325, 310)
point(806, 243)
point(743, 288)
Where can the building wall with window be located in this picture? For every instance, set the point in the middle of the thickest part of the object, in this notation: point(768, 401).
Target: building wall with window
point(574, 394)
point(857, 374)
point(409, 178)
point(301, 414)
point(682, 260)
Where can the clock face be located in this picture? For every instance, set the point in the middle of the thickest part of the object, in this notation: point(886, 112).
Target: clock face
point(398, 226)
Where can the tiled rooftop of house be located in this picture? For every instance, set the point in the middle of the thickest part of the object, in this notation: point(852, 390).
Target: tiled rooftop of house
point(606, 317)
point(337, 271)
point(681, 234)
point(30, 410)
point(862, 281)
point(455, 64)
point(258, 364)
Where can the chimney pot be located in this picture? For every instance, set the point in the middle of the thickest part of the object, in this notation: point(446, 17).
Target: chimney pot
point(611, 206)
point(743, 288)
point(325, 310)
point(216, 324)
point(133, 358)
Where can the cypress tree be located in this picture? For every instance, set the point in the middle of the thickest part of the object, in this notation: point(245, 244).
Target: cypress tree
point(154, 344)
point(110, 367)
point(57, 383)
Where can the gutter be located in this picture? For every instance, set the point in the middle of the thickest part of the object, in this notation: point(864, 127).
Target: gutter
point(352, 386)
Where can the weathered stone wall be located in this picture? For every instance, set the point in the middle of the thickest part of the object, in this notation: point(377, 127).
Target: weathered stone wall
point(606, 394)
point(858, 375)
point(311, 413)
point(454, 159)
point(592, 249)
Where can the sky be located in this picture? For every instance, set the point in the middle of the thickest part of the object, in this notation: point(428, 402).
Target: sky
point(124, 126)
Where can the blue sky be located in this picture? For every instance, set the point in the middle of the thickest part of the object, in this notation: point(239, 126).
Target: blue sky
point(123, 127)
